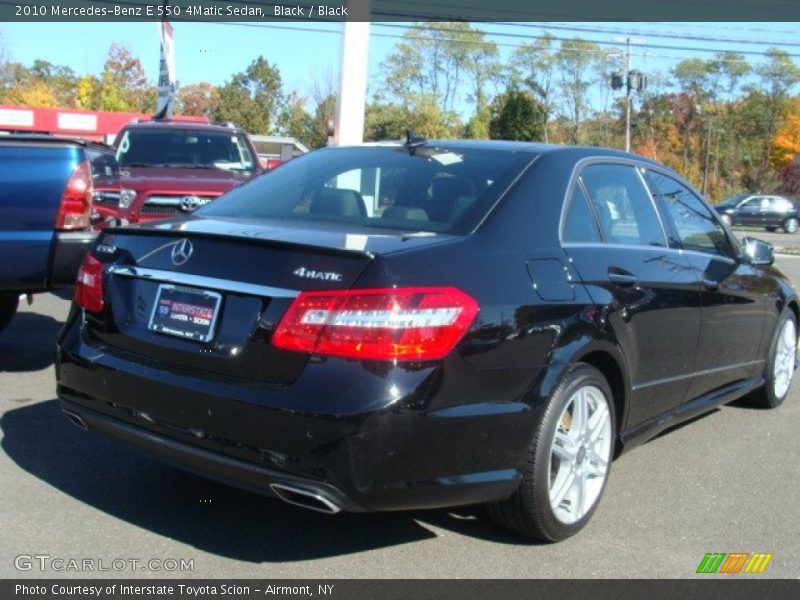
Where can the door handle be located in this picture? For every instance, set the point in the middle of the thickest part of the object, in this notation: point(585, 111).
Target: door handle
point(623, 279)
point(711, 285)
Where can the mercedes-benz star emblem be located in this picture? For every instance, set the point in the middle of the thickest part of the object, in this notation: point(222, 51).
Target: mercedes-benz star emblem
point(189, 203)
point(181, 252)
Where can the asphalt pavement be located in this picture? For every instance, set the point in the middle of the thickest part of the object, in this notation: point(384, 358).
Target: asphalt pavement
point(726, 482)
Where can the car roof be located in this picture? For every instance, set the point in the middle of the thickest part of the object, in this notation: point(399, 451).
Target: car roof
point(574, 152)
point(166, 124)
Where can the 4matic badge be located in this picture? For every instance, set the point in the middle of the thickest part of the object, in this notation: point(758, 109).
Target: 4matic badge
point(321, 275)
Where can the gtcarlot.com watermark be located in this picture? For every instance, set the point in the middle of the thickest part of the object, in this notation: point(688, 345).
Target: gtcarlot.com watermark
point(59, 564)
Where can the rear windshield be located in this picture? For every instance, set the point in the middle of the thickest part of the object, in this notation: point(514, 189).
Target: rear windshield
point(422, 189)
point(185, 148)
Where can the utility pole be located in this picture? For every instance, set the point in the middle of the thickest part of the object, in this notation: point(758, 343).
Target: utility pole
point(628, 96)
point(632, 81)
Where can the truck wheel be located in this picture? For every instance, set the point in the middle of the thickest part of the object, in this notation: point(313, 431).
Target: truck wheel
point(8, 306)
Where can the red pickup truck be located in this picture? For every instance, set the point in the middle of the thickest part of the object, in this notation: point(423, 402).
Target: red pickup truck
point(169, 168)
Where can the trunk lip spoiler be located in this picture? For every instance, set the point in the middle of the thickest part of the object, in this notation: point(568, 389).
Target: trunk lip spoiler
point(248, 239)
point(201, 281)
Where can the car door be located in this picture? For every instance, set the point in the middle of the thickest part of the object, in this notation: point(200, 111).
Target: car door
point(780, 210)
point(749, 212)
point(647, 291)
point(732, 292)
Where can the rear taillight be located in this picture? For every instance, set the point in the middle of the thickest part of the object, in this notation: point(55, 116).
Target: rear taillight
point(377, 324)
point(76, 202)
point(89, 286)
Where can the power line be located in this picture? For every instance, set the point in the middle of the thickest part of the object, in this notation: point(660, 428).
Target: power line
point(651, 33)
point(599, 42)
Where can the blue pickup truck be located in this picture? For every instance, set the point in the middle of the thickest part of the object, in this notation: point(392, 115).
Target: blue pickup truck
point(45, 211)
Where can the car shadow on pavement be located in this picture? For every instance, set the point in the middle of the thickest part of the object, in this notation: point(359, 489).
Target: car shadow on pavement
point(207, 515)
point(682, 424)
point(29, 342)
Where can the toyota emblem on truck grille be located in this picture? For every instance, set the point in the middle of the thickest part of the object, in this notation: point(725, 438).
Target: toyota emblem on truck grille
point(182, 252)
point(189, 203)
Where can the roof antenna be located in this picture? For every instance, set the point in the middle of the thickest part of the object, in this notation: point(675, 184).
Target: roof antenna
point(413, 141)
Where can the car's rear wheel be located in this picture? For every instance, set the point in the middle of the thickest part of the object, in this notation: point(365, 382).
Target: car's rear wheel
point(567, 463)
point(8, 306)
point(790, 225)
point(781, 363)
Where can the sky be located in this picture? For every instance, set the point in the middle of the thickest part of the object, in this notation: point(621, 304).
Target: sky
point(213, 51)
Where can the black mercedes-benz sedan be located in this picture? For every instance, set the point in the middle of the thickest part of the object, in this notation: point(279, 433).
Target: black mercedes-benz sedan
point(425, 325)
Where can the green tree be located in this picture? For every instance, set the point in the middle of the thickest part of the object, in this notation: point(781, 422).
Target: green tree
point(390, 121)
point(442, 62)
point(778, 75)
point(516, 115)
point(123, 83)
point(535, 66)
point(252, 99)
point(575, 59)
point(295, 121)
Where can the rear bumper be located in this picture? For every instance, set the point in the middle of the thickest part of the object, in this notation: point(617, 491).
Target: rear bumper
point(207, 463)
point(70, 248)
point(390, 456)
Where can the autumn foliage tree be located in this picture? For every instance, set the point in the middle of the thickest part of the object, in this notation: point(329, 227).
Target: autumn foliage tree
point(786, 143)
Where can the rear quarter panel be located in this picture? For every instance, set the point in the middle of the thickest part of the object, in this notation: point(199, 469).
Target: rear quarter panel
point(32, 181)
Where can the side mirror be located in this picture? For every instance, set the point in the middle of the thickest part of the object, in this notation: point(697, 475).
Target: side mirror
point(758, 252)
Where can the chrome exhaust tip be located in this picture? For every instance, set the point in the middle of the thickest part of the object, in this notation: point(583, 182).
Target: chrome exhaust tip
point(76, 420)
point(304, 498)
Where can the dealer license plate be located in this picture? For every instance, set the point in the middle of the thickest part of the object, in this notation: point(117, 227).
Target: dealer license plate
point(185, 312)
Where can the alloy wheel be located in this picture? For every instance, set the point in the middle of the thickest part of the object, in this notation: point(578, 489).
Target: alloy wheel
point(579, 454)
point(785, 357)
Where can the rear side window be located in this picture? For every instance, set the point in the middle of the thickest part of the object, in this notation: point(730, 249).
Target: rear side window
point(780, 205)
point(622, 205)
point(695, 226)
point(580, 224)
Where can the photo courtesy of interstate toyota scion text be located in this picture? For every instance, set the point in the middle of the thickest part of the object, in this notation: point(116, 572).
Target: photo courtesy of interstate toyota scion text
point(427, 324)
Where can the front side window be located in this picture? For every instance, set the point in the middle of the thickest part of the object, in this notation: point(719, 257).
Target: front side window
point(102, 164)
point(696, 228)
point(390, 187)
point(622, 205)
point(184, 148)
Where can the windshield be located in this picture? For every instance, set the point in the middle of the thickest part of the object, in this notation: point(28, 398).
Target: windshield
point(184, 148)
point(420, 189)
point(733, 200)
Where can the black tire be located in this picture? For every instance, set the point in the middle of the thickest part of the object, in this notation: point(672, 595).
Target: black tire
point(766, 396)
point(771, 229)
point(528, 510)
point(8, 307)
point(790, 225)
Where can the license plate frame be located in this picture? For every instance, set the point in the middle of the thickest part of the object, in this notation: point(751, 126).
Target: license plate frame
point(191, 300)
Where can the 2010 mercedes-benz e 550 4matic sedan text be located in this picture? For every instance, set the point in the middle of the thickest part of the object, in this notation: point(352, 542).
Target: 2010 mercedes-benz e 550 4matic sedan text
point(427, 324)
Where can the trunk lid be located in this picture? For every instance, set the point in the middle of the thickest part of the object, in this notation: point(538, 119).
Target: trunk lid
point(244, 272)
